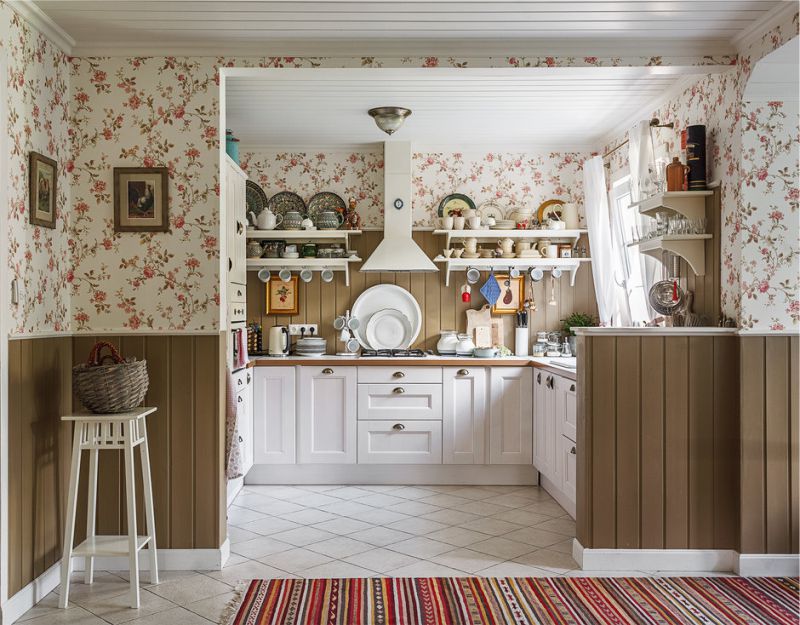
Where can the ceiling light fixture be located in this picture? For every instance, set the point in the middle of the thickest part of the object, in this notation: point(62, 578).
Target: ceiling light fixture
point(389, 118)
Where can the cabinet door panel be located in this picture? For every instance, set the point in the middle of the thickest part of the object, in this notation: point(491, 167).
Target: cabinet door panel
point(464, 415)
point(566, 407)
point(400, 401)
point(510, 415)
point(274, 415)
point(327, 415)
point(409, 442)
point(541, 457)
point(567, 456)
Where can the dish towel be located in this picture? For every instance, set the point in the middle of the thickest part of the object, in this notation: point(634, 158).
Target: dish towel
point(241, 349)
point(233, 440)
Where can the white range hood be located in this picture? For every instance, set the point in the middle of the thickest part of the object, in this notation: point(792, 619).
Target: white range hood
point(397, 251)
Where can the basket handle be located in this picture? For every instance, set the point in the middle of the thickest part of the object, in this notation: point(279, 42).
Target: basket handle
point(94, 356)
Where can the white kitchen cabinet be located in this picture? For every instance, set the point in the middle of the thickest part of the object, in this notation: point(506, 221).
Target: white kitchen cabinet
point(566, 407)
point(567, 467)
point(327, 415)
point(236, 207)
point(463, 415)
point(510, 415)
point(274, 415)
point(400, 401)
point(544, 423)
point(407, 442)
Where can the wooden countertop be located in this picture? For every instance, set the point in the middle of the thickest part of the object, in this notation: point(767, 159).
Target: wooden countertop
point(428, 361)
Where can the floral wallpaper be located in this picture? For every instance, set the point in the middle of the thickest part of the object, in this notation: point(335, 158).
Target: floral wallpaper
point(509, 179)
point(37, 101)
point(770, 229)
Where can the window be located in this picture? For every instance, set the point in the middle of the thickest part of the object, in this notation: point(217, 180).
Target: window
point(624, 220)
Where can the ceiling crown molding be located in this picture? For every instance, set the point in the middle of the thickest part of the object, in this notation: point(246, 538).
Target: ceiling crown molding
point(780, 14)
point(37, 18)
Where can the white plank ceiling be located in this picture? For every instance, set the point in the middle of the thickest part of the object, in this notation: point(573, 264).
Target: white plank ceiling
point(370, 26)
point(555, 108)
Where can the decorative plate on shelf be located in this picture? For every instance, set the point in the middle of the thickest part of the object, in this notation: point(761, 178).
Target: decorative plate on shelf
point(286, 201)
point(255, 198)
point(325, 201)
point(548, 208)
point(389, 329)
point(492, 209)
point(455, 202)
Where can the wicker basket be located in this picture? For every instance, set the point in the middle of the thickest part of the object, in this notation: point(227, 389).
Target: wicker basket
point(110, 388)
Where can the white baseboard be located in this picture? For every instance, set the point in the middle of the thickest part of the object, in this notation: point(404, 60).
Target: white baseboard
point(168, 560)
point(768, 565)
point(678, 560)
point(419, 474)
point(234, 488)
point(553, 490)
point(31, 594)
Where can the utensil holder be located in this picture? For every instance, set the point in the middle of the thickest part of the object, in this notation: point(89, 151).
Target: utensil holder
point(521, 341)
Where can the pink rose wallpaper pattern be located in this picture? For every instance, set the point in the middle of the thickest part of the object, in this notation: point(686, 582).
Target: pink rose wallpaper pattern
point(36, 104)
point(509, 179)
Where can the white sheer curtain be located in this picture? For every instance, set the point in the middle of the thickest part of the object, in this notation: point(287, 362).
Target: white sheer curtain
point(605, 265)
point(640, 159)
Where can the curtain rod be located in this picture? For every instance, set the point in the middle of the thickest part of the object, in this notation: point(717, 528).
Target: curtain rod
point(654, 123)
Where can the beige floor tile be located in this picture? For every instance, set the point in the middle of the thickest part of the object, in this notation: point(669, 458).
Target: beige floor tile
point(564, 525)
point(467, 560)
point(380, 500)
point(277, 508)
point(425, 568)
point(481, 508)
point(510, 500)
point(380, 560)
point(420, 547)
point(212, 608)
point(413, 507)
point(309, 516)
point(302, 536)
point(191, 589)
point(443, 500)
point(450, 517)
point(474, 493)
point(379, 516)
point(458, 536)
point(252, 569)
point(382, 536)
point(534, 536)
point(75, 615)
point(260, 547)
point(553, 561)
point(314, 500)
point(347, 508)
point(117, 609)
point(349, 492)
point(283, 493)
point(343, 527)
point(105, 586)
point(269, 525)
point(337, 568)
point(164, 577)
point(340, 547)
point(492, 526)
point(522, 517)
point(412, 492)
point(416, 526)
point(320, 488)
point(513, 569)
point(502, 548)
point(295, 560)
point(380, 488)
point(565, 546)
point(175, 616)
point(547, 508)
point(239, 535)
point(239, 516)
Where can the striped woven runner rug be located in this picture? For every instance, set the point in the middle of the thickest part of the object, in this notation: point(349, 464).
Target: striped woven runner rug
point(528, 601)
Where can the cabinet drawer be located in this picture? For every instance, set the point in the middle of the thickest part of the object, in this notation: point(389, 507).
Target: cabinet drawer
point(406, 375)
point(242, 379)
point(399, 442)
point(400, 401)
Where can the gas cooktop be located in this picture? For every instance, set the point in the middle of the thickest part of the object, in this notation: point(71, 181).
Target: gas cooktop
point(393, 353)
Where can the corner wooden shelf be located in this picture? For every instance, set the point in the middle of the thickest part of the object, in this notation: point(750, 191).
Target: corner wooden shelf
point(691, 204)
point(690, 247)
point(296, 264)
point(502, 264)
point(487, 233)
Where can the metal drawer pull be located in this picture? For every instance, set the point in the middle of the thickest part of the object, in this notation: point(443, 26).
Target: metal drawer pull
point(239, 399)
point(399, 427)
point(572, 388)
point(463, 372)
point(249, 378)
point(327, 371)
point(398, 374)
point(539, 378)
point(573, 451)
point(399, 390)
point(239, 381)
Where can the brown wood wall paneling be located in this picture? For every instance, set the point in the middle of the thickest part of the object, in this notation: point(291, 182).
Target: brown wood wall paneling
point(441, 305)
point(658, 443)
point(39, 454)
point(769, 454)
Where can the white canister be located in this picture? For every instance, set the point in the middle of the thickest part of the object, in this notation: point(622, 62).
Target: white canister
point(569, 215)
point(474, 222)
point(448, 340)
point(447, 222)
point(521, 338)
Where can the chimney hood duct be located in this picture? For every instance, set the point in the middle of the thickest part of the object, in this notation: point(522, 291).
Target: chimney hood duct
point(397, 251)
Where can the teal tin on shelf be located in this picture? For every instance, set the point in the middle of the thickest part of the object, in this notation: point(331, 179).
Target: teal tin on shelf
point(232, 146)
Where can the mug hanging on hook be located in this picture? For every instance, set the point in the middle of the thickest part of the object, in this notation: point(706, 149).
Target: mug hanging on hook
point(536, 274)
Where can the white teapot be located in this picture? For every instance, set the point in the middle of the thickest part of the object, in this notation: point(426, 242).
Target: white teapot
point(266, 220)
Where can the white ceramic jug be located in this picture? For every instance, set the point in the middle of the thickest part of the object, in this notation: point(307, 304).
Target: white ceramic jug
point(569, 215)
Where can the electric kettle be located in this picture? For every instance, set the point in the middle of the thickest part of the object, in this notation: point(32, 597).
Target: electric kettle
point(279, 341)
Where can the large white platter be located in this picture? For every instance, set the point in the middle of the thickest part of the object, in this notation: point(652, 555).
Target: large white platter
point(380, 297)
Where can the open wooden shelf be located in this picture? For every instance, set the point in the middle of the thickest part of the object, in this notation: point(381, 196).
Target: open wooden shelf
point(266, 235)
point(487, 233)
point(502, 264)
point(690, 247)
point(691, 204)
point(296, 264)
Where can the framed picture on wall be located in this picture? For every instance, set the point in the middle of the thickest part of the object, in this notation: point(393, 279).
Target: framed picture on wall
point(141, 199)
point(512, 295)
point(282, 297)
point(42, 176)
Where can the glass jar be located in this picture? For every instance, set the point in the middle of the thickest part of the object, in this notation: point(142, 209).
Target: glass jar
point(465, 346)
point(448, 340)
point(540, 346)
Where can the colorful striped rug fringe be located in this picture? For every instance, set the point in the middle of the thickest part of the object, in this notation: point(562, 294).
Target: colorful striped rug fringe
point(519, 601)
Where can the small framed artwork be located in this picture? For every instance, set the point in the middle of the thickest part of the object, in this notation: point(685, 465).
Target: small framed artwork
point(43, 172)
point(564, 250)
point(512, 295)
point(282, 297)
point(141, 200)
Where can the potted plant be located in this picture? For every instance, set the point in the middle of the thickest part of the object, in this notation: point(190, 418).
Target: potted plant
point(576, 320)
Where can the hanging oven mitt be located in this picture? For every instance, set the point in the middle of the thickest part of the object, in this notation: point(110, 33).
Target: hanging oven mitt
point(491, 289)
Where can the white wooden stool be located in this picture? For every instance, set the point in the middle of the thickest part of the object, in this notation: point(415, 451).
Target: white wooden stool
point(94, 432)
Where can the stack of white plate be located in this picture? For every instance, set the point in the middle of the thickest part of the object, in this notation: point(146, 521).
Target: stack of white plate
point(311, 346)
point(504, 224)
